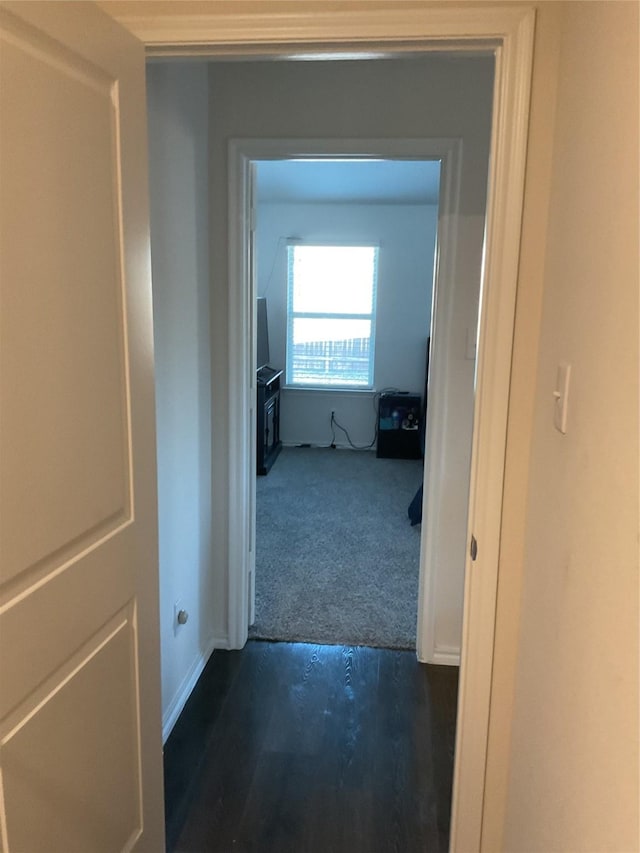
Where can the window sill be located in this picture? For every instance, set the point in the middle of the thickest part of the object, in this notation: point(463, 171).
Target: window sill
point(323, 389)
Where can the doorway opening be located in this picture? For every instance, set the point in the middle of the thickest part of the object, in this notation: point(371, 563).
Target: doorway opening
point(464, 154)
point(449, 318)
point(508, 37)
point(339, 558)
point(344, 271)
point(240, 157)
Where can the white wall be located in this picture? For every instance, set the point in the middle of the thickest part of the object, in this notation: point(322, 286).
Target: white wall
point(178, 140)
point(415, 98)
point(573, 766)
point(406, 235)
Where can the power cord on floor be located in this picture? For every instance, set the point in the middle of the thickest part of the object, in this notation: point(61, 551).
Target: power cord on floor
point(376, 408)
point(334, 424)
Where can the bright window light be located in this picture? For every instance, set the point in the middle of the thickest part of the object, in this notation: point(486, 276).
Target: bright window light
point(331, 315)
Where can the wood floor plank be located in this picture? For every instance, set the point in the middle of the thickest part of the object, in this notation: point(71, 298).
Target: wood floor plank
point(341, 804)
point(298, 725)
point(232, 754)
point(322, 749)
point(441, 691)
point(185, 748)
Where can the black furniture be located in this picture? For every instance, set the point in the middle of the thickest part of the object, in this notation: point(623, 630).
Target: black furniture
point(399, 417)
point(268, 418)
point(415, 507)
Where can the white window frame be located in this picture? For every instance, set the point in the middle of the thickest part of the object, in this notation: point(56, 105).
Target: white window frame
point(294, 315)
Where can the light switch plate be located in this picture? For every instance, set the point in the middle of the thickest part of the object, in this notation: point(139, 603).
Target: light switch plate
point(561, 397)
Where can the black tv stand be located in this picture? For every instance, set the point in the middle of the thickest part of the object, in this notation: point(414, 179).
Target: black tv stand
point(268, 418)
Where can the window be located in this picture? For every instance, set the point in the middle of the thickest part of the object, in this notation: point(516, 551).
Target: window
point(331, 315)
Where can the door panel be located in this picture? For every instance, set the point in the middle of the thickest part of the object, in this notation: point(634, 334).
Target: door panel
point(71, 603)
point(54, 768)
point(64, 387)
point(79, 657)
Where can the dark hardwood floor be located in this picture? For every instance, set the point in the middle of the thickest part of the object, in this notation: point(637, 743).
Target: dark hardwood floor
point(295, 748)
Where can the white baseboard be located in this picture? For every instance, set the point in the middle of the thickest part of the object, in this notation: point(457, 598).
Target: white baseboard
point(446, 656)
point(174, 710)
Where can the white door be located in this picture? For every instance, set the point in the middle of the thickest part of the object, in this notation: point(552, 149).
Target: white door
point(80, 734)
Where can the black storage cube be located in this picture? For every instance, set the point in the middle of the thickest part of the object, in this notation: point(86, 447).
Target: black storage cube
point(399, 427)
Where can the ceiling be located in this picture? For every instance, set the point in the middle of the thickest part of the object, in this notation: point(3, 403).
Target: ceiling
point(349, 181)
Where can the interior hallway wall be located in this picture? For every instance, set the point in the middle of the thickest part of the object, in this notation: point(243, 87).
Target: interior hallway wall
point(573, 766)
point(178, 163)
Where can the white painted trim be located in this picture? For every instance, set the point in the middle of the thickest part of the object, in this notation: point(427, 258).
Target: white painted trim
point(253, 397)
point(493, 374)
point(242, 400)
point(170, 716)
point(242, 153)
point(444, 292)
point(221, 643)
point(307, 389)
point(444, 656)
point(306, 28)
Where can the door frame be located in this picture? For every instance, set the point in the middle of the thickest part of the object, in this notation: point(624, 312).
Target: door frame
point(242, 155)
point(306, 28)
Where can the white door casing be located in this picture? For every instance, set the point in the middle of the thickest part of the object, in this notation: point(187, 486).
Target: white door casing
point(250, 333)
point(243, 153)
point(80, 734)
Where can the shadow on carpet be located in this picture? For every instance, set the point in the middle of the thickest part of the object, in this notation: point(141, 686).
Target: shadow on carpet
point(336, 558)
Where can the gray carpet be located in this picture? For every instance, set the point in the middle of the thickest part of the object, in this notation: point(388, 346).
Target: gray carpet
point(336, 557)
